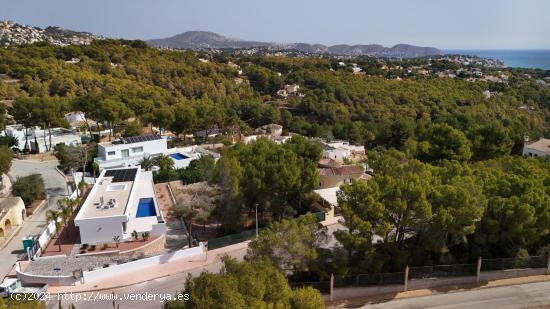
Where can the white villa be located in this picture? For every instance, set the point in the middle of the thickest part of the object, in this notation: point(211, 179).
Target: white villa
point(340, 150)
point(121, 201)
point(540, 148)
point(328, 201)
point(129, 151)
point(39, 139)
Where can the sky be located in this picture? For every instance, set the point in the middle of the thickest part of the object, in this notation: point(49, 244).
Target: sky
point(446, 24)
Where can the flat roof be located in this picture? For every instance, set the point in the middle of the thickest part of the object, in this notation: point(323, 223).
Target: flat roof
point(329, 195)
point(132, 140)
point(110, 194)
point(542, 144)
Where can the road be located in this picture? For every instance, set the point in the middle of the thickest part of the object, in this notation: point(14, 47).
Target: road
point(506, 297)
point(162, 286)
point(55, 187)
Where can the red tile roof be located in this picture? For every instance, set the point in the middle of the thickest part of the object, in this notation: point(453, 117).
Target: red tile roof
point(346, 170)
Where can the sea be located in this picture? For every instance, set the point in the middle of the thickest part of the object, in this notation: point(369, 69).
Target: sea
point(516, 58)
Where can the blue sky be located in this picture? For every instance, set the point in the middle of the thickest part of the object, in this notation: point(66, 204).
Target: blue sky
point(463, 24)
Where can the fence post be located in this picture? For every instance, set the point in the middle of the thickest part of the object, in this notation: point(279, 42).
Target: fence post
point(406, 281)
point(478, 269)
point(548, 265)
point(331, 287)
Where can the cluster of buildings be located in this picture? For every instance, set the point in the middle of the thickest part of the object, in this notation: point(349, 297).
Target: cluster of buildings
point(271, 131)
point(39, 140)
point(289, 90)
point(12, 33)
point(341, 163)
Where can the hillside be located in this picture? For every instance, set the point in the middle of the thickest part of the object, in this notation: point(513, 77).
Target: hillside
point(204, 39)
point(12, 33)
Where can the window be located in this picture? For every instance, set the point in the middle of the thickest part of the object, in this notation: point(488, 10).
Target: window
point(137, 149)
point(111, 153)
point(116, 187)
point(125, 153)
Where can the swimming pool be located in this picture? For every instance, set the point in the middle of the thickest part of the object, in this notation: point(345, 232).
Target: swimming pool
point(146, 208)
point(178, 156)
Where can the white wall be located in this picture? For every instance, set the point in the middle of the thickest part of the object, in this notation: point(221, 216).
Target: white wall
point(150, 148)
point(142, 264)
point(98, 230)
point(46, 234)
point(69, 139)
point(534, 152)
point(336, 154)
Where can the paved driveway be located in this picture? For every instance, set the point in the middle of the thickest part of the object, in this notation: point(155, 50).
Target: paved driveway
point(55, 187)
point(55, 183)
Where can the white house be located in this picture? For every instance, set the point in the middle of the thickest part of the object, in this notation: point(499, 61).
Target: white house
point(75, 117)
point(272, 129)
point(540, 148)
point(183, 156)
point(127, 152)
point(340, 150)
point(328, 201)
point(335, 153)
point(38, 140)
point(292, 89)
point(18, 131)
point(122, 201)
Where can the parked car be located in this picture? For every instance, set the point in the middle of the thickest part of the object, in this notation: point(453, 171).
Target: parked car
point(12, 286)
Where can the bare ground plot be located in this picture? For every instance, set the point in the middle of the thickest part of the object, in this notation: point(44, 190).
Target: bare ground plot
point(203, 197)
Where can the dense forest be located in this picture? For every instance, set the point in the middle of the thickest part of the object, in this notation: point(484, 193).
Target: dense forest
point(449, 184)
point(174, 90)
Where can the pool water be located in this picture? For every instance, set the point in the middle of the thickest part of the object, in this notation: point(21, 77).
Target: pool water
point(178, 156)
point(146, 208)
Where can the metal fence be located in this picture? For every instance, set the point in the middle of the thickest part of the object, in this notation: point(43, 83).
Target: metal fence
point(514, 263)
point(231, 239)
point(369, 279)
point(436, 271)
point(423, 272)
point(322, 286)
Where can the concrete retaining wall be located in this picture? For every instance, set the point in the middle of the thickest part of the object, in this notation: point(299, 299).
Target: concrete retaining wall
point(50, 280)
point(138, 265)
point(142, 264)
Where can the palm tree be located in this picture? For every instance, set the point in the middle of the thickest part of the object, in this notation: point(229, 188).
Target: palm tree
point(52, 215)
point(116, 239)
point(164, 162)
point(66, 213)
point(146, 163)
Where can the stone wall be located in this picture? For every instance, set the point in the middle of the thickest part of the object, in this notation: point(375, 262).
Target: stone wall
point(153, 248)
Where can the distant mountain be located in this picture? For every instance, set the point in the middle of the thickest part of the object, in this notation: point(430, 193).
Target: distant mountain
point(12, 33)
point(204, 39)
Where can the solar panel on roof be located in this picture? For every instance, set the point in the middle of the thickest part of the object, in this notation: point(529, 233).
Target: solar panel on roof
point(122, 175)
point(142, 138)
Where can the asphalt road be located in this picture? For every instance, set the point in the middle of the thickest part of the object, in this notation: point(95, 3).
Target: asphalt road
point(55, 187)
point(506, 297)
point(155, 288)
